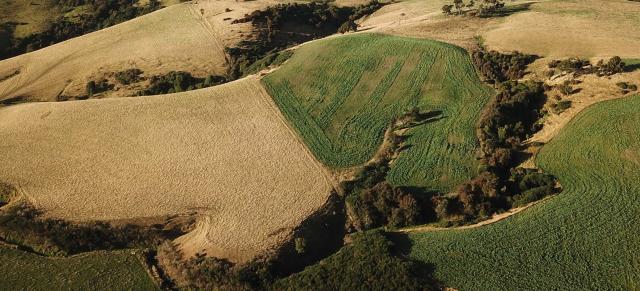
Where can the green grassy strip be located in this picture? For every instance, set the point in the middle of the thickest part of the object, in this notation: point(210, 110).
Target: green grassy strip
point(586, 238)
point(114, 270)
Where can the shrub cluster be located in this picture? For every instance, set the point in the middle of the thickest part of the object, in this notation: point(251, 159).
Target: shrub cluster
point(209, 273)
point(486, 8)
point(97, 87)
point(283, 25)
point(507, 121)
point(129, 76)
point(382, 205)
point(626, 87)
point(488, 193)
point(103, 13)
point(498, 67)
point(175, 82)
point(271, 59)
point(579, 66)
point(371, 201)
point(560, 106)
point(21, 225)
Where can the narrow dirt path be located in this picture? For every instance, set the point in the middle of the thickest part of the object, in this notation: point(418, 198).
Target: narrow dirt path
point(495, 218)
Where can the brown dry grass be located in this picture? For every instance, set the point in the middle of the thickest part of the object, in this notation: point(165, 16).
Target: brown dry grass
point(593, 89)
point(587, 28)
point(224, 152)
point(178, 37)
point(424, 19)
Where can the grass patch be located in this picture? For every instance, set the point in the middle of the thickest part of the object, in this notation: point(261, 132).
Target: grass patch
point(341, 93)
point(587, 238)
point(117, 270)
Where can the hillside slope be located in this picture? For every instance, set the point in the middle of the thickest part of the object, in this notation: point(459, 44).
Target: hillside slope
point(222, 152)
point(178, 37)
point(341, 93)
point(585, 238)
point(551, 28)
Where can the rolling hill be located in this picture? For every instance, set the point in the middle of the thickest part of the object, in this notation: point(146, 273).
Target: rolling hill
point(223, 153)
point(341, 93)
point(585, 238)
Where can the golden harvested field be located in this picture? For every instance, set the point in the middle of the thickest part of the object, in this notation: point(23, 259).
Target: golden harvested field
point(587, 28)
point(424, 19)
point(174, 38)
point(224, 152)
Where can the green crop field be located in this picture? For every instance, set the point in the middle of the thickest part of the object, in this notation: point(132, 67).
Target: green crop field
point(117, 270)
point(586, 238)
point(341, 93)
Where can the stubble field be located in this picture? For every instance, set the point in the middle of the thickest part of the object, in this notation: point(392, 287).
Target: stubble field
point(223, 152)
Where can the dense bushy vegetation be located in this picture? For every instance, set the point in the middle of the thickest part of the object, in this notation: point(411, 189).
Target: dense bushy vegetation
point(271, 59)
point(97, 87)
point(171, 82)
point(560, 106)
point(507, 121)
point(101, 14)
point(175, 82)
point(498, 67)
point(627, 87)
point(579, 66)
point(280, 26)
point(209, 273)
point(22, 225)
point(368, 263)
point(486, 8)
point(129, 76)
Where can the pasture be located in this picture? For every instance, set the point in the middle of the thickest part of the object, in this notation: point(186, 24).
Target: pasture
point(585, 238)
point(341, 93)
point(115, 270)
point(223, 153)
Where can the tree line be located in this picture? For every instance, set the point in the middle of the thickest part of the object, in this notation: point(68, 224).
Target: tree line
point(283, 25)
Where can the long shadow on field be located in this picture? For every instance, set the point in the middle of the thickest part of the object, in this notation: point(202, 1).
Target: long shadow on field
point(632, 67)
point(401, 248)
point(510, 10)
point(318, 237)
